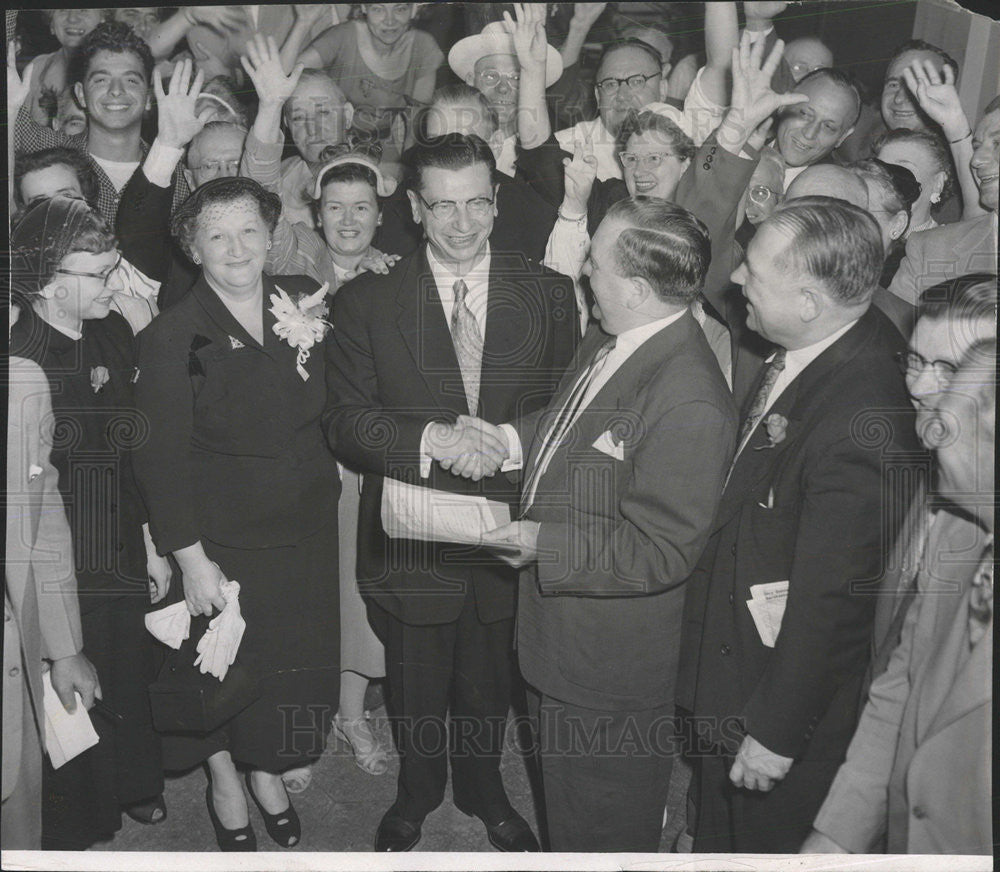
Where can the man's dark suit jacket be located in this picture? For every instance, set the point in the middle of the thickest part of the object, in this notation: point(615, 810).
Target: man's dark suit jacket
point(234, 451)
point(599, 614)
point(807, 509)
point(392, 370)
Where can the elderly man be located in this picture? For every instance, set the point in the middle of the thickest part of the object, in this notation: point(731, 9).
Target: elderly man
point(775, 641)
point(918, 767)
point(968, 246)
point(455, 329)
point(617, 500)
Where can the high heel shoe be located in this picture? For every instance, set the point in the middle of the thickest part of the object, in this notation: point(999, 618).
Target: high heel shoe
point(284, 827)
point(242, 839)
point(369, 756)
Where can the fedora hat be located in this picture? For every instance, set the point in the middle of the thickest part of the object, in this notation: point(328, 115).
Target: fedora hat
point(495, 40)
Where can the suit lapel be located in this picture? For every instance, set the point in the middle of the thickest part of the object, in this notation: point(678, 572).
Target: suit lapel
point(224, 319)
point(425, 332)
point(510, 318)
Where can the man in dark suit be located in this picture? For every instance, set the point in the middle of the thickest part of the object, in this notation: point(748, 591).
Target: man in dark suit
point(775, 705)
point(455, 329)
point(622, 479)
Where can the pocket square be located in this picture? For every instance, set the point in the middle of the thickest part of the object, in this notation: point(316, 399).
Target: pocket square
point(606, 444)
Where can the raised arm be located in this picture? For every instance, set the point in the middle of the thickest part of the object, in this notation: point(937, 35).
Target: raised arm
point(18, 89)
point(292, 53)
point(165, 37)
point(531, 45)
point(721, 37)
point(584, 16)
point(938, 97)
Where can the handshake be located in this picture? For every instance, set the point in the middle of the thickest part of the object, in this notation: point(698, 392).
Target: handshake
point(471, 447)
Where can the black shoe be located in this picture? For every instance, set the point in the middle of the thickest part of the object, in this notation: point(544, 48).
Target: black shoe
point(151, 812)
point(512, 834)
point(284, 828)
point(396, 834)
point(242, 839)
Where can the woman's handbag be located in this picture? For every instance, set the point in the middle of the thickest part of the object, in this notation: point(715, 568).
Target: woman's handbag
point(183, 699)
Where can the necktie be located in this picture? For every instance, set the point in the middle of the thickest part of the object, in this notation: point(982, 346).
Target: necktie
point(562, 422)
point(468, 343)
point(771, 372)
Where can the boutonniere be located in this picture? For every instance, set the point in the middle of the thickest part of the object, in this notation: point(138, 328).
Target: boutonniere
point(99, 376)
point(301, 322)
point(775, 426)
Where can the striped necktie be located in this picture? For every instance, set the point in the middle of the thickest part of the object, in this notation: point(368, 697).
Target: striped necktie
point(468, 341)
point(562, 422)
point(756, 411)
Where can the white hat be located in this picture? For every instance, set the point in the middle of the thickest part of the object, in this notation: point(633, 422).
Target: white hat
point(384, 187)
point(492, 41)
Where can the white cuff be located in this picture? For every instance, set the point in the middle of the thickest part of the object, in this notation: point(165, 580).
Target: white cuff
point(160, 163)
point(425, 457)
point(515, 458)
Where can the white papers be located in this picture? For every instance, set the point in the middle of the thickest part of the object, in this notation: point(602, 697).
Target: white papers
point(410, 512)
point(767, 608)
point(66, 735)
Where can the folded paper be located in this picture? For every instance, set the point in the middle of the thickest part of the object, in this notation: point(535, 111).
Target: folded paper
point(767, 608)
point(66, 735)
point(411, 512)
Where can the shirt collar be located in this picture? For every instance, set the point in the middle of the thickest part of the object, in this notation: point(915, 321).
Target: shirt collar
point(800, 358)
point(445, 278)
point(630, 340)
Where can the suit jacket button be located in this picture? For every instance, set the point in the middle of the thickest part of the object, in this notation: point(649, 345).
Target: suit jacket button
point(706, 166)
point(732, 599)
point(14, 672)
point(725, 650)
point(919, 813)
point(733, 550)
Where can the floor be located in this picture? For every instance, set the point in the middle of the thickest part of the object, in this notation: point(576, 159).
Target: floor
point(343, 805)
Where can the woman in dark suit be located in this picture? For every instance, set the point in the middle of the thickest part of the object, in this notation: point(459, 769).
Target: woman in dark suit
point(240, 485)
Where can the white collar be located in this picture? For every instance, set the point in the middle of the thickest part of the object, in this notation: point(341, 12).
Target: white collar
point(800, 358)
point(446, 277)
point(629, 340)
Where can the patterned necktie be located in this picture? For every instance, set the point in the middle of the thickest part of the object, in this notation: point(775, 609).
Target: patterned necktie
point(562, 422)
point(468, 341)
point(771, 373)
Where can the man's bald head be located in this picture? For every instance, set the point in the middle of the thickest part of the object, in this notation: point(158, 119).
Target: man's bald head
point(829, 180)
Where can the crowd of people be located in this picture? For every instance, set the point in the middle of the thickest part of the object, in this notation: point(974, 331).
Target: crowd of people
point(720, 354)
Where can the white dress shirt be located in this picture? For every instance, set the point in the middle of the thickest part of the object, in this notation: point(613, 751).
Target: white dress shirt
point(626, 345)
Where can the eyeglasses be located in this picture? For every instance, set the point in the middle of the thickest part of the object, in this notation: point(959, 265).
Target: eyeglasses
point(912, 363)
point(445, 210)
point(491, 78)
point(609, 87)
point(799, 69)
point(762, 194)
point(104, 276)
point(630, 159)
point(215, 168)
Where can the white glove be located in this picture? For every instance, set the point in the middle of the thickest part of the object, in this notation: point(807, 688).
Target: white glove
point(171, 625)
point(217, 648)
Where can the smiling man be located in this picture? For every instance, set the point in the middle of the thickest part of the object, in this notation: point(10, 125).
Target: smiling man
point(110, 74)
point(458, 328)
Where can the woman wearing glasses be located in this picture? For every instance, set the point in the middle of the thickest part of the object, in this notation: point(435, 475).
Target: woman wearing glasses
point(65, 276)
point(240, 486)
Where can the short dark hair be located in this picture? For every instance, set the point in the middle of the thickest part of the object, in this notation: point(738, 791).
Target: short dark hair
point(664, 244)
point(920, 45)
point(453, 151)
point(642, 122)
point(899, 187)
point(934, 144)
point(840, 77)
point(628, 42)
point(968, 297)
point(458, 92)
point(836, 242)
point(112, 36)
point(184, 224)
point(58, 156)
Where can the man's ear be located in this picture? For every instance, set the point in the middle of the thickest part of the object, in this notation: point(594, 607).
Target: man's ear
point(810, 304)
point(937, 186)
point(642, 292)
point(840, 141)
point(81, 100)
point(470, 78)
point(415, 206)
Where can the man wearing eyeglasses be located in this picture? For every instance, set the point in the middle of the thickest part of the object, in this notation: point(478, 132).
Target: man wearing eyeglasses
point(455, 330)
point(214, 153)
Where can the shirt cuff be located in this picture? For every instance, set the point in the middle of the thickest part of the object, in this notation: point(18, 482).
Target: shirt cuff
point(425, 457)
point(757, 35)
point(161, 162)
point(515, 458)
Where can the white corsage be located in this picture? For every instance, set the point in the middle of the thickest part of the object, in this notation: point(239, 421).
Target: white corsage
point(301, 322)
point(99, 377)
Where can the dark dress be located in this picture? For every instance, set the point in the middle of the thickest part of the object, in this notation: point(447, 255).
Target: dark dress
point(235, 458)
point(95, 433)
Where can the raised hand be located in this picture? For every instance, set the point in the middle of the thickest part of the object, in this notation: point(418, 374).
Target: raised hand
point(470, 448)
point(528, 34)
point(207, 63)
point(217, 18)
point(262, 63)
point(936, 93)
point(581, 171)
point(585, 14)
point(18, 86)
point(763, 9)
point(753, 99)
point(310, 13)
point(177, 122)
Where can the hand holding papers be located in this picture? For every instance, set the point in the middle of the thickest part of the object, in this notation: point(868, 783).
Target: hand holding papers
point(515, 544)
point(767, 608)
point(66, 734)
point(410, 512)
